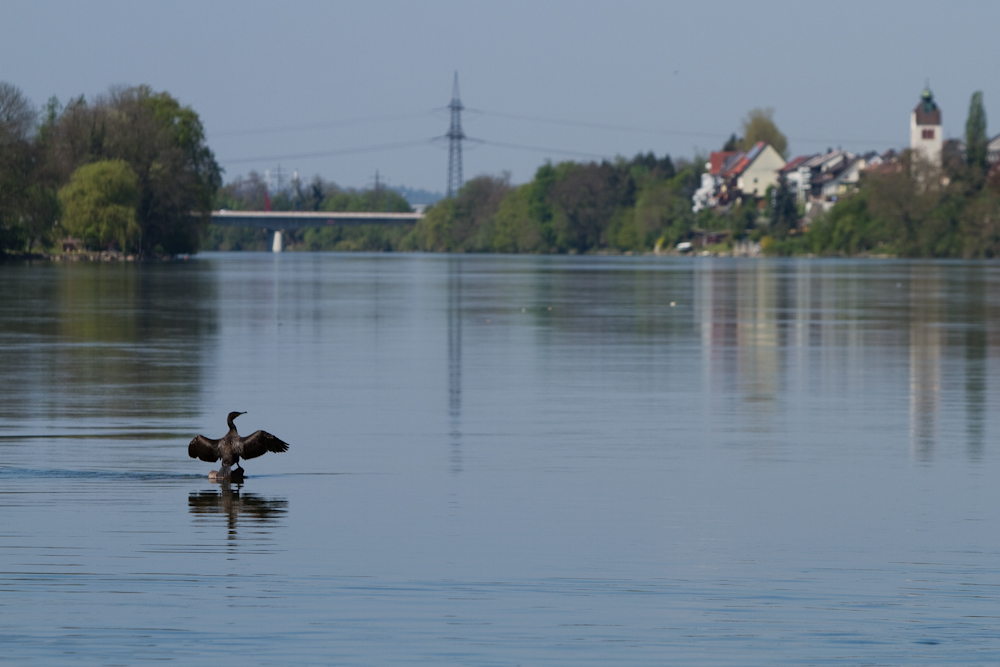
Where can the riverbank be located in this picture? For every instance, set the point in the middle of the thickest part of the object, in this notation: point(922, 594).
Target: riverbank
point(89, 256)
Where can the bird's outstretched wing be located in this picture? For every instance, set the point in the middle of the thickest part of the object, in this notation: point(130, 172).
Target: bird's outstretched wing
point(204, 449)
point(259, 443)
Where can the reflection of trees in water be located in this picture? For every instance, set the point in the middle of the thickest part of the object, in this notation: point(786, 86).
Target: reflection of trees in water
point(113, 339)
point(976, 353)
point(237, 506)
point(926, 341)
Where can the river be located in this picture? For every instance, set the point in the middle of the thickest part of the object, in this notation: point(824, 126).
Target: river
point(501, 461)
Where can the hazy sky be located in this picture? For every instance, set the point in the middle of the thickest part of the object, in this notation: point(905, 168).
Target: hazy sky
point(594, 78)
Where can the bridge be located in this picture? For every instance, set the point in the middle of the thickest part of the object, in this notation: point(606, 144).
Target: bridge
point(280, 221)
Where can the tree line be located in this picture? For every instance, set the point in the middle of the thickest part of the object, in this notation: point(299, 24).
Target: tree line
point(125, 170)
point(128, 168)
point(568, 207)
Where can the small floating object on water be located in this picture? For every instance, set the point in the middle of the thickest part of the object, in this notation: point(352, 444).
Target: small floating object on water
point(235, 476)
point(673, 303)
point(231, 447)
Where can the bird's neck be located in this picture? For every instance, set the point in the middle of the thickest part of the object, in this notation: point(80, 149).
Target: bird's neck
point(232, 426)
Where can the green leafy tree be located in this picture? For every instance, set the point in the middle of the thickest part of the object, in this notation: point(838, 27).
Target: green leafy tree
point(466, 222)
point(100, 205)
point(16, 118)
point(784, 209)
point(975, 132)
point(163, 143)
point(28, 205)
point(514, 228)
point(743, 219)
point(759, 126)
point(583, 203)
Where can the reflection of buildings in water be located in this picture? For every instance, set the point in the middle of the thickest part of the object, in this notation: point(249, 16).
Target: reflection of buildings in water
point(739, 332)
point(925, 359)
point(716, 298)
point(455, 361)
point(236, 506)
point(758, 334)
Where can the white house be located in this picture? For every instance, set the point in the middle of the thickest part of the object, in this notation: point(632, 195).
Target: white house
point(757, 170)
point(993, 150)
point(798, 176)
point(845, 180)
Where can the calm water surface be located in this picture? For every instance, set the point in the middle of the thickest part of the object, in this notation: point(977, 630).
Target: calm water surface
point(502, 461)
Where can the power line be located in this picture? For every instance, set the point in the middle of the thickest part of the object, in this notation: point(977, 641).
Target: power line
point(603, 126)
point(456, 136)
point(652, 130)
point(342, 151)
point(541, 149)
point(411, 144)
point(320, 126)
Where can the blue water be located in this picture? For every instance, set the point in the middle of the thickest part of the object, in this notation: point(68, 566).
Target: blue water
point(501, 461)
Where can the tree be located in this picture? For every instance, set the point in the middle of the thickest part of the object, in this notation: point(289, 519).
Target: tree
point(514, 228)
point(759, 126)
point(465, 222)
point(28, 204)
point(100, 205)
point(16, 115)
point(975, 132)
point(16, 118)
point(784, 210)
point(163, 143)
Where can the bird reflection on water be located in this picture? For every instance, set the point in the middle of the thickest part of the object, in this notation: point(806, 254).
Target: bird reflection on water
point(229, 501)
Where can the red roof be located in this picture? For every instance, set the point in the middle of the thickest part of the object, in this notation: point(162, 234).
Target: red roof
point(741, 162)
point(794, 164)
point(717, 159)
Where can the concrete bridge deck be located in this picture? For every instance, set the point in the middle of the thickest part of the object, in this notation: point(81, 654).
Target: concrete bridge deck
point(285, 220)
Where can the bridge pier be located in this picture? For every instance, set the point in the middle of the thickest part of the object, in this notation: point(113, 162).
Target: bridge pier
point(276, 242)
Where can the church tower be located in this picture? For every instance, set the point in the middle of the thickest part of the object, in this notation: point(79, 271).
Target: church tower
point(925, 129)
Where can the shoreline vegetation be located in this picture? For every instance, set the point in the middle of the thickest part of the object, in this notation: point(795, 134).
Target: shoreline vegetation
point(128, 176)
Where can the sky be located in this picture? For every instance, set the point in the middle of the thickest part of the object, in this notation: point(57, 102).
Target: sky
point(348, 90)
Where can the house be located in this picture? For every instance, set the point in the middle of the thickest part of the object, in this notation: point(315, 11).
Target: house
point(798, 176)
point(886, 163)
point(844, 181)
point(707, 195)
point(753, 172)
point(926, 137)
point(993, 150)
point(730, 176)
point(824, 169)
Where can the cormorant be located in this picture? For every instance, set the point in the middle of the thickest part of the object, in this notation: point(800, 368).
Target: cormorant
point(231, 447)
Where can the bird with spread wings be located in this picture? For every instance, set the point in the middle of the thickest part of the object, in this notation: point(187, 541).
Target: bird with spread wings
point(232, 447)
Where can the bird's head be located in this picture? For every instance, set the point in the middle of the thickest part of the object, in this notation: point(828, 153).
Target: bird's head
point(232, 416)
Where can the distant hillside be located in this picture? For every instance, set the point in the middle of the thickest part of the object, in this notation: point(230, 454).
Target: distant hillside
point(415, 196)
